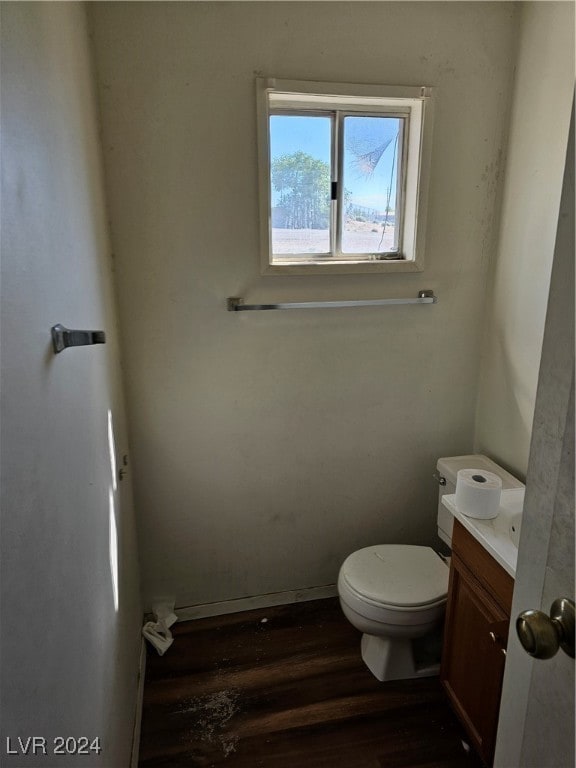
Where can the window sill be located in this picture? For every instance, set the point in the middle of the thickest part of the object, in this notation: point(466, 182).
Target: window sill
point(342, 267)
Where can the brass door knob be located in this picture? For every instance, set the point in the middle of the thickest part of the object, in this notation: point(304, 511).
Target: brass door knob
point(541, 635)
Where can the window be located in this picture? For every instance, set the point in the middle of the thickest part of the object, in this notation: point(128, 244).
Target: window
point(343, 176)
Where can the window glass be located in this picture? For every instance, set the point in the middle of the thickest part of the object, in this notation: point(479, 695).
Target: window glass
point(300, 174)
point(370, 200)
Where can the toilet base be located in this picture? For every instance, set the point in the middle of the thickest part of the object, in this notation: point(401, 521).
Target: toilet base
point(393, 659)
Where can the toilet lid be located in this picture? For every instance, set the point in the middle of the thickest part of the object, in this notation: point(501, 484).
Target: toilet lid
point(397, 574)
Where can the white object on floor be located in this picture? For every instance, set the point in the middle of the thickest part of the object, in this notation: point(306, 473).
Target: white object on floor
point(158, 632)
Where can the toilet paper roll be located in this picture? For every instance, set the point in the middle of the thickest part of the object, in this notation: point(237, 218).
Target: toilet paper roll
point(478, 493)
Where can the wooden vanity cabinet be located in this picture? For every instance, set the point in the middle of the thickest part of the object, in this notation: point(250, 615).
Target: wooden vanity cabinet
point(475, 635)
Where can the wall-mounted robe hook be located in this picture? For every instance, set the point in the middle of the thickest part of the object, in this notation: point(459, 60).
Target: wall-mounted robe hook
point(65, 337)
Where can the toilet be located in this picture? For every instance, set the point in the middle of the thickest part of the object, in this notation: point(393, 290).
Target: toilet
point(396, 593)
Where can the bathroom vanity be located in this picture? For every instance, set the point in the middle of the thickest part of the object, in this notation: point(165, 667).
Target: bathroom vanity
point(482, 573)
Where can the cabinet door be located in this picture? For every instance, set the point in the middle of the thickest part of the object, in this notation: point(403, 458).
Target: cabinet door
point(473, 660)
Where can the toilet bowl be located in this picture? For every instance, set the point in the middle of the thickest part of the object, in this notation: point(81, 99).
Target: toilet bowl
point(393, 594)
point(396, 594)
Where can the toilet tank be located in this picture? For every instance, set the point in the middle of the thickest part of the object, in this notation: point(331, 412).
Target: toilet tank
point(447, 469)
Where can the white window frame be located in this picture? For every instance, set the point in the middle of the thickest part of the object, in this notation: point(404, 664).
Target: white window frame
point(415, 104)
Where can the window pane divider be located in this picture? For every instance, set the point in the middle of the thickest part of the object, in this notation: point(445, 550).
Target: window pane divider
point(335, 170)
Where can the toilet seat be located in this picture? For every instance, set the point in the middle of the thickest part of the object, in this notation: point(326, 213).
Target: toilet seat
point(394, 584)
point(378, 604)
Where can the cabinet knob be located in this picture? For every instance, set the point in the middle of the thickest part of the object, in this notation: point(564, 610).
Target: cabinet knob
point(497, 640)
point(541, 635)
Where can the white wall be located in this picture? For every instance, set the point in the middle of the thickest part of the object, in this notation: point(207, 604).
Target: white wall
point(69, 654)
point(543, 92)
point(268, 446)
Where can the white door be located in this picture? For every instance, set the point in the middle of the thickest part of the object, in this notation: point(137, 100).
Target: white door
point(536, 727)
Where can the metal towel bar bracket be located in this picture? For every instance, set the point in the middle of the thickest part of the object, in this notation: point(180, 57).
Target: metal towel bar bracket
point(65, 337)
point(235, 304)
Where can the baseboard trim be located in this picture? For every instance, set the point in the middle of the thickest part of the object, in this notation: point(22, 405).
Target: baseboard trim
point(139, 703)
point(204, 610)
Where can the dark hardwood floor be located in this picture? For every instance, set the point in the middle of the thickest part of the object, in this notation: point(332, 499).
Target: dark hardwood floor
point(285, 687)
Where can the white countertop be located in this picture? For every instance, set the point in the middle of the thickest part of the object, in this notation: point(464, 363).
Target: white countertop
point(497, 536)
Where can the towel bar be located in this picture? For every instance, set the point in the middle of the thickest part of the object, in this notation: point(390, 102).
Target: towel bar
point(235, 304)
